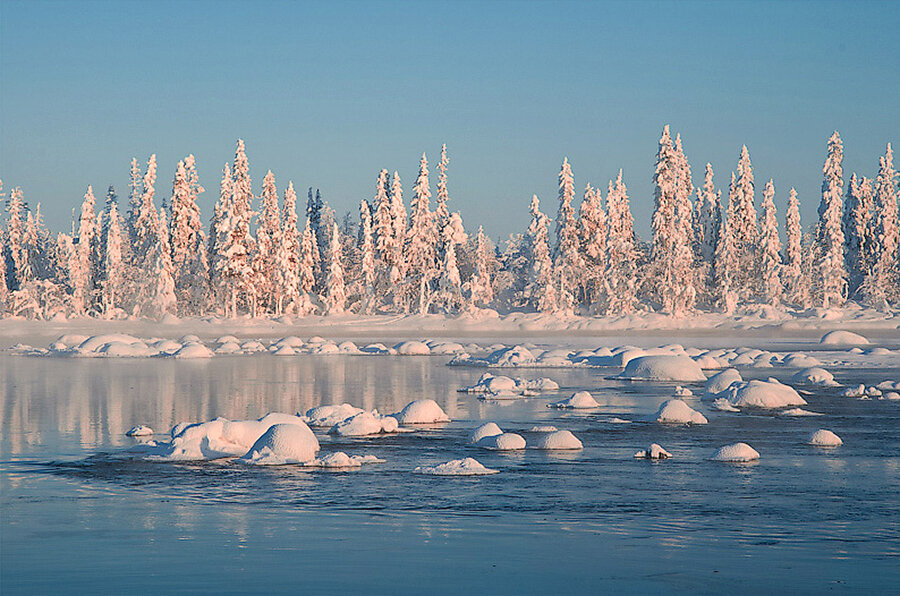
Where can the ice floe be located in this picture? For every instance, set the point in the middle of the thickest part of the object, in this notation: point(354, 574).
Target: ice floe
point(815, 376)
point(719, 382)
point(141, 430)
point(365, 424)
point(487, 429)
point(330, 415)
point(798, 412)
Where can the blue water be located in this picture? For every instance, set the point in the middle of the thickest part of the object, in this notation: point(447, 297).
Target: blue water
point(78, 515)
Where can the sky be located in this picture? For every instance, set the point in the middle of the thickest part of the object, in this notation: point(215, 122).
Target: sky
point(328, 93)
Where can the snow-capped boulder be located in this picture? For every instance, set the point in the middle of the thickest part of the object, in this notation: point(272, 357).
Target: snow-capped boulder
point(683, 391)
point(737, 452)
point(141, 430)
point(283, 350)
point(582, 400)
point(413, 348)
point(283, 444)
point(800, 360)
point(824, 438)
point(193, 350)
point(487, 429)
point(513, 356)
point(857, 391)
point(456, 467)
point(653, 452)
point(843, 338)
point(502, 442)
point(365, 424)
point(330, 415)
point(721, 381)
point(814, 376)
point(763, 394)
point(663, 368)
point(675, 411)
point(422, 411)
point(558, 440)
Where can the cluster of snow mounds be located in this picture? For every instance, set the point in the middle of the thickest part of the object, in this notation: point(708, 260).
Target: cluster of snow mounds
point(675, 411)
point(582, 400)
point(495, 386)
point(422, 411)
point(770, 394)
point(365, 424)
point(824, 438)
point(662, 368)
point(815, 376)
point(737, 452)
point(654, 451)
point(456, 467)
point(490, 436)
point(843, 338)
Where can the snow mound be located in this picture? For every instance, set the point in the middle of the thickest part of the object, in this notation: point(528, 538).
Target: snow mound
point(502, 442)
point(456, 467)
point(365, 424)
point(845, 338)
point(799, 360)
point(489, 429)
point(798, 412)
point(719, 382)
point(738, 452)
point(815, 376)
point(653, 452)
point(579, 401)
point(824, 438)
point(193, 350)
point(413, 348)
point(892, 396)
point(141, 430)
point(284, 351)
point(683, 391)
point(723, 405)
point(663, 368)
point(489, 383)
point(547, 428)
point(558, 440)
point(330, 415)
point(283, 444)
point(514, 356)
point(675, 411)
point(763, 394)
point(422, 411)
point(858, 391)
point(340, 460)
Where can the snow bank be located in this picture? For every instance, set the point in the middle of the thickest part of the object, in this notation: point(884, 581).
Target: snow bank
point(653, 452)
point(662, 368)
point(456, 467)
point(738, 452)
point(579, 401)
point(330, 415)
point(283, 444)
point(365, 424)
point(488, 429)
point(675, 411)
point(558, 440)
point(422, 411)
point(824, 438)
point(502, 442)
point(845, 338)
point(815, 376)
point(141, 430)
point(719, 382)
point(763, 394)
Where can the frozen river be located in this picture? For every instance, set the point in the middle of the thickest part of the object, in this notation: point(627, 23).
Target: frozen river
point(78, 516)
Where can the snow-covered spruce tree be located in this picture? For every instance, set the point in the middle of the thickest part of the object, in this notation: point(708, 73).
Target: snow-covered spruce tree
point(335, 293)
point(621, 255)
point(743, 228)
point(315, 213)
point(161, 298)
point(540, 290)
point(592, 230)
point(796, 290)
point(135, 198)
point(671, 269)
point(113, 278)
point(420, 244)
point(725, 266)
point(882, 286)
point(481, 285)
point(146, 222)
point(383, 237)
point(449, 287)
point(706, 217)
point(309, 264)
point(288, 254)
point(567, 262)
point(15, 229)
point(441, 211)
point(187, 239)
point(398, 215)
point(366, 278)
point(832, 277)
point(4, 289)
point(771, 248)
point(684, 220)
point(268, 276)
point(219, 232)
point(88, 250)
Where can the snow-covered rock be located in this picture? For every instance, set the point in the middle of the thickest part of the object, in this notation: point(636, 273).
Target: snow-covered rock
point(858, 391)
point(845, 338)
point(558, 440)
point(422, 411)
point(719, 382)
point(365, 424)
point(283, 444)
point(413, 348)
point(502, 442)
point(582, 400)
point(193, 350)
point(723, 405)
point(737, 452)
point(663, 368)
point(330, 415)
point(653, 452)
point(800, 360)
point(456, 467)
point(683, 391)
point(824, 438)
point(510, 357)
point(675, 411)
point(763, 394)
point(340, 460)
point(892, 396)
point(814, 376)
point(487, 429)
point(141, 430)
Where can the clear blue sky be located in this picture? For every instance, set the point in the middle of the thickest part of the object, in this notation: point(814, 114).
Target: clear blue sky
point(327, 93)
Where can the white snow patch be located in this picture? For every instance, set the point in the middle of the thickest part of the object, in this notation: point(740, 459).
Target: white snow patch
point(798, 412)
